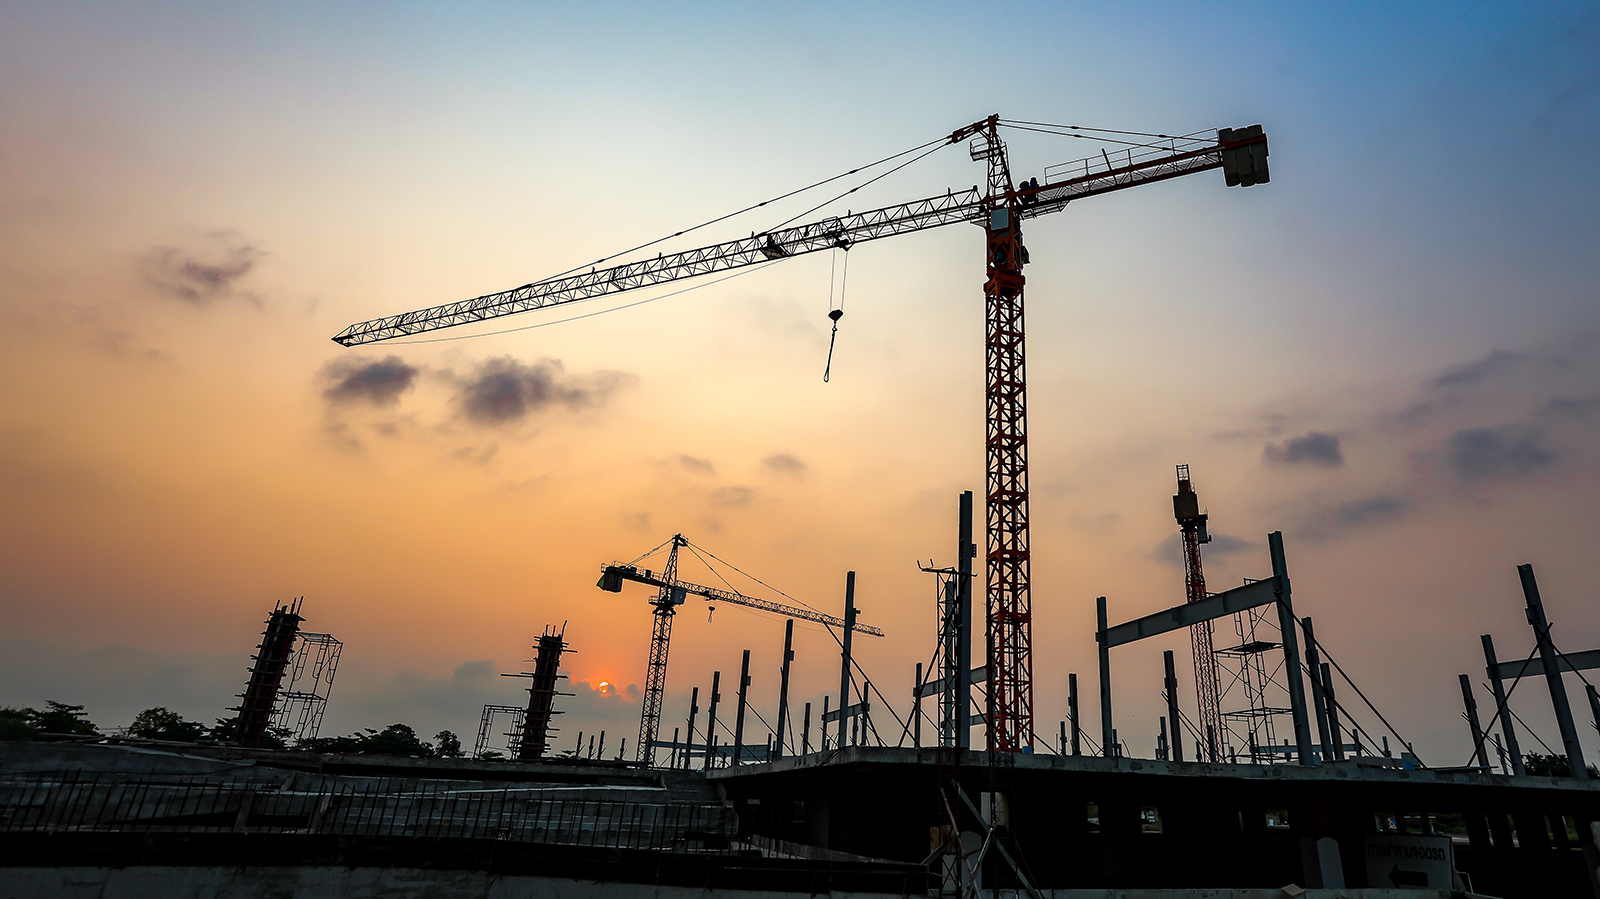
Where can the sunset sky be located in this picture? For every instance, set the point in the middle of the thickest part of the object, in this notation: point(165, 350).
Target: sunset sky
point(1391, 353)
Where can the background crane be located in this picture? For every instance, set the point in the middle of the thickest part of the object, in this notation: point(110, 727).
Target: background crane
point(672, 593)
point(1192, 530)
point(999, 208)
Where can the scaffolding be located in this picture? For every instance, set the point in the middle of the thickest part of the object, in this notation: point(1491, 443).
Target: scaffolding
point(303, 702)
point(486, 725)
point(259, 700)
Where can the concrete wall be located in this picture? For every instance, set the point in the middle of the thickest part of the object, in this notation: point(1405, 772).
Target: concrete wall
point(156, 882)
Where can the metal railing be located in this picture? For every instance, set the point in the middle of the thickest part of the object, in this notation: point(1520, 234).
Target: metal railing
point(381, 808)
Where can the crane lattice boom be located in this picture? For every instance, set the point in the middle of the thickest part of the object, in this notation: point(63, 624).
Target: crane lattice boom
point(632, 573)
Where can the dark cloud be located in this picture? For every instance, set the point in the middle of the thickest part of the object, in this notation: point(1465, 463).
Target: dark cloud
point(376, 381)
point(201, 276)
point(504, 390)
point(1505, 452)
point(1311, 448)
point(1573, 406)
point(784, 463)
point(699, 466)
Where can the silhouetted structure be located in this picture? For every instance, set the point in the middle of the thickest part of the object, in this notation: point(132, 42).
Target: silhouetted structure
point(542, 695)
point(260, 695)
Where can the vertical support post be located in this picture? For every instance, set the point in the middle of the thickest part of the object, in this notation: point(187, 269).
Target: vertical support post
point(1471, 704)
point(1171, 686)
point(672, 760)
point(1291, 652)
point(1063, 743)
point(1318, 704)
point(1552, 673)
point(844, 667)
point(1497, 685)
point(711, 719)
point(1594, 703)
point(738, 718)
point(688, 743)
point(1072, 713)
point(1333, 714)
point(824, 728)
point(1161, 741)
point(805, 732)
point(1500, 750)
point(965, 551)
point(916, 708)
point(1108, 737)
point(783, 687)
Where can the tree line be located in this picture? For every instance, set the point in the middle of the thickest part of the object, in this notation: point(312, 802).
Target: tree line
point(160, 723)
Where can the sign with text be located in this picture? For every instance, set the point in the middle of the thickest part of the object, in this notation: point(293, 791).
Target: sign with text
point(1398, 861)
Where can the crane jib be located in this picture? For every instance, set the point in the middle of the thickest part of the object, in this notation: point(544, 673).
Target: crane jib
point(612, 576)
point(836, 232)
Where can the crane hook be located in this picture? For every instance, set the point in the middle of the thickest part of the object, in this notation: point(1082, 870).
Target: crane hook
point(710, 607)
point(834, 314)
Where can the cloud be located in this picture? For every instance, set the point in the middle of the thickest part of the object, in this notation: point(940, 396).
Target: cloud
point(378, 382)
point(1311, 448)
point(1328, 522)
point(203, 275)
point(504, 390)
point(1573, 406)
point(1506, 452)
point(1477, 371)
point(698, 466)
point(784, 464)
point(730, 497)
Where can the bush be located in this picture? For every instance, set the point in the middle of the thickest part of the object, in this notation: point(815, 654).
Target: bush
point(396, 739)
point(16, 724)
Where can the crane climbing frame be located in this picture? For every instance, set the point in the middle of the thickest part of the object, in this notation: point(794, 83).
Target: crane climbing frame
point(1000, 208)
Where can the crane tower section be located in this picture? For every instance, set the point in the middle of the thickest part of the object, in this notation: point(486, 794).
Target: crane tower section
point(1010, 617)
point(1192, 530)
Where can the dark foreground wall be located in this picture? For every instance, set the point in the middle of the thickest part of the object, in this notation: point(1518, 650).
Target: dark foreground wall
point(1082, 822)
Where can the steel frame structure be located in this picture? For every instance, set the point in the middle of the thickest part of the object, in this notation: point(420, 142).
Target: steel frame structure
point(301, 711)
point(1192, 533)
point(999, 209)
point(258, 703)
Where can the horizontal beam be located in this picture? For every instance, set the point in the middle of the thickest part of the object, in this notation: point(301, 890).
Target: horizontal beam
point(860, 708)
point(1572, 661)
point(933, 688)
point(1216, 605)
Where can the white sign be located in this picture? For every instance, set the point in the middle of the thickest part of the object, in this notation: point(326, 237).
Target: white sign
point(1397, 861)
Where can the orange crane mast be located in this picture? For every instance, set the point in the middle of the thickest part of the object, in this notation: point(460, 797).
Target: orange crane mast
point(999, 208)
point(1192, 530)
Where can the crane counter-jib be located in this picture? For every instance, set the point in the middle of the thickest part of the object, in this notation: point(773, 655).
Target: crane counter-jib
point(612, 576)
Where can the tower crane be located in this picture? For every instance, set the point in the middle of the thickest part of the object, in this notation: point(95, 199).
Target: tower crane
point(999, 208)
point(672, 593)
point(1192, 530)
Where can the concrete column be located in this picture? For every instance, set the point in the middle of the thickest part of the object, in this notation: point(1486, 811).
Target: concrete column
point(1291, 652)
point(1072, 711)
point(783, 686)
point(1171, 686)
point(1502, 711)
point(738, 718)
point(1552, 673)
point(1318, 705)
point(844, 667)
point(1472, 721)
point(1108, 737)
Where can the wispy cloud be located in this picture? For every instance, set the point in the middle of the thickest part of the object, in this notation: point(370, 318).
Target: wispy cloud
point(1505, 452)
point(376, 381)
point(205, 273)
point(504, 391)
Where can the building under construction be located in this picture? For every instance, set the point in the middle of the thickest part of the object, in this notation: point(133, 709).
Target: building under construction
point(856, 807)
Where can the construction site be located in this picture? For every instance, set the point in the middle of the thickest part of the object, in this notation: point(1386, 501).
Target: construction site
point(1273, 772)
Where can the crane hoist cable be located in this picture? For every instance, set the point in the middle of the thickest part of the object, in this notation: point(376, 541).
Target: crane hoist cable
point(835, 312)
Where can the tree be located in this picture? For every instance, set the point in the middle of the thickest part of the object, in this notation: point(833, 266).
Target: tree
point(396, 739)
point(160, 724)
point(60, 718)
point(273, 738)
point(1552, 766)
point(449, 745)
point(15, 724)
